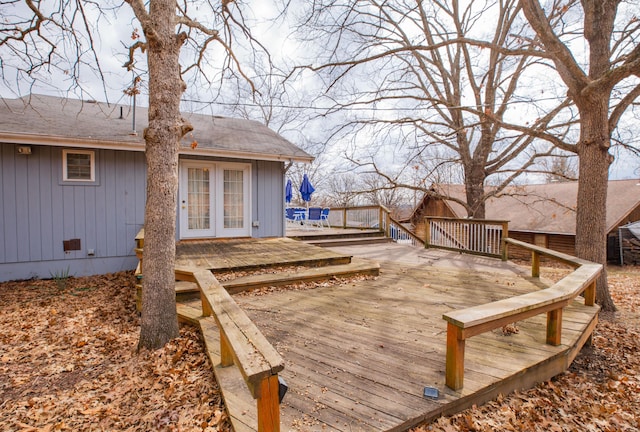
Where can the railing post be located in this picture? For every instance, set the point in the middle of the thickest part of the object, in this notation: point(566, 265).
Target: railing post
point(590, 294)
point(454, 368)
point(535, 264)
point(269, 405)
point(427, 235)
point(206, 307)
point(504, 253)
point(554, 327)
point(226, 352)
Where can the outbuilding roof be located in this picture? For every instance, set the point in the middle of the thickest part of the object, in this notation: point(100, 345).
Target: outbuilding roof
point(50, 120)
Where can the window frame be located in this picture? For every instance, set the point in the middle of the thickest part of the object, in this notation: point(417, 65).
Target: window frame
point(92, 168)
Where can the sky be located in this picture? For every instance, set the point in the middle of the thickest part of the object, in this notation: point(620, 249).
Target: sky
point(115, 34)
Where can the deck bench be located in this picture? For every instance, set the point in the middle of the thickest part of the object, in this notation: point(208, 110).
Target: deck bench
point(465, 323)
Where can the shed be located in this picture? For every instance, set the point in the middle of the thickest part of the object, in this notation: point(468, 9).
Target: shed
point(541, 214)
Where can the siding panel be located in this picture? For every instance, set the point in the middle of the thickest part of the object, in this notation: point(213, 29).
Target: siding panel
point(34, 210)
point(39, 212)
point(101, 235)
point(7, 211)
point(57, 204)
point(268, 198)
point(46, 207)
point(22, 207)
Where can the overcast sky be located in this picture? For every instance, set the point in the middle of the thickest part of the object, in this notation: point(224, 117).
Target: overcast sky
point(115, 34)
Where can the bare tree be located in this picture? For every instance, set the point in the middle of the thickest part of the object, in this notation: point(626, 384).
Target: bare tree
point(343, 190)
point(378, 192)
point(603, 86)
point(560, 168)
point(61, 35)
point(435, 77)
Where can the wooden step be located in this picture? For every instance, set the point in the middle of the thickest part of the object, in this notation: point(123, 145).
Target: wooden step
point(313, 236)
point(357, 267)
point(349, 241)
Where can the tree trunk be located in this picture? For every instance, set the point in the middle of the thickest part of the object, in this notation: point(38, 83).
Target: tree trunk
point(591, 218)
point(474, 190)
point(159, 322)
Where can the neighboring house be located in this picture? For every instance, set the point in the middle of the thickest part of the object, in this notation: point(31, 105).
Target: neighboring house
point(73, 184)
point(542, 214)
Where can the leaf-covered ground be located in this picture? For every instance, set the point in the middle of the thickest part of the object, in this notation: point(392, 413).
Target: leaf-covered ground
point(68, 361)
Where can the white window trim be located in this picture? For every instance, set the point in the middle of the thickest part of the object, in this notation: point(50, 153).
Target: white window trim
point(65, 177)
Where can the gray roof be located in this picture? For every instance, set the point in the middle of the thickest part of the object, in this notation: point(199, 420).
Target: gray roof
point(49, 120)
point(548, 208)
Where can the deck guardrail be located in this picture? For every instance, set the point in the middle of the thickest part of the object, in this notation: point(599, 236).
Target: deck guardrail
point(241, 342)
point(475, 236)
point(465, 323)
point(376, 217)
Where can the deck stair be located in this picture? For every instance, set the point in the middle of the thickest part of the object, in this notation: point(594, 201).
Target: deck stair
point(357, 267)
point(364, 237)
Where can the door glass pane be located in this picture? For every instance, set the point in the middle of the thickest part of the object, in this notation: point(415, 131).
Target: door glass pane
point(233, 198)
point(198, 198)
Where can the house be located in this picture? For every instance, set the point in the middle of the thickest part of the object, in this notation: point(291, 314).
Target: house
point(543, 214)
point(73, 184)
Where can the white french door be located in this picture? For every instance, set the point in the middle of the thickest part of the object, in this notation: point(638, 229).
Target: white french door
point(197, 199)
point(233, 200)
point(214, 200)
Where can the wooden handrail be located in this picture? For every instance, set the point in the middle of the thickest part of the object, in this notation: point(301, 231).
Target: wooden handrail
point(241, 344)
point(465, 323)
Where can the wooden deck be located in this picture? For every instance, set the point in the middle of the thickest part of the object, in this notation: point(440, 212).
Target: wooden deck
point(358, 356)
point(244, 254)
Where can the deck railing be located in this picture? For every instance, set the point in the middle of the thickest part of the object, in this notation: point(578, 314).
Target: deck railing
point(243, 345)
point(356, 217)
point(241, 342)
point(475, 236)
point(465, 323)
point(373, 217)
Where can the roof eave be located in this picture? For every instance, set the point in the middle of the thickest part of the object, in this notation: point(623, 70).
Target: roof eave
point(245, 155)
point(57, 141)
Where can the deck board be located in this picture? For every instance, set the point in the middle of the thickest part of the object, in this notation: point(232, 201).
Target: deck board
point(358, 355)
point(387, 337)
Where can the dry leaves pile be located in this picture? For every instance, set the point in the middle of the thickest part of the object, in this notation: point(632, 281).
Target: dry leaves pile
point(600, 392)
point(68, 361)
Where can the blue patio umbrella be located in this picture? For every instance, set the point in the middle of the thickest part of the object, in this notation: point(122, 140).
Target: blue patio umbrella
point(306, 189)
point(287, 192)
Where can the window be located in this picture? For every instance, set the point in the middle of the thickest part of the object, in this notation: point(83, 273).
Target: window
point(78, 165)
point(233, 198)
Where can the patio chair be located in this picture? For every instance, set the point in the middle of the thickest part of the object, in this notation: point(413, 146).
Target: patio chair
point(324, 216)
point(315, 216)
point(290, 215)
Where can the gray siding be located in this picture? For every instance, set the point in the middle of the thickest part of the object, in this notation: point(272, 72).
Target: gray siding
point(39, 211)
point(268, 198)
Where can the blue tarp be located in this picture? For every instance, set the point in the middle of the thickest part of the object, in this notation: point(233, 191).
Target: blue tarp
point(306, 189)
